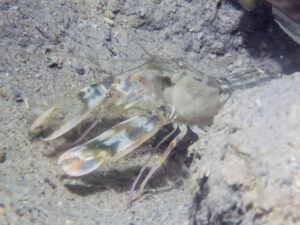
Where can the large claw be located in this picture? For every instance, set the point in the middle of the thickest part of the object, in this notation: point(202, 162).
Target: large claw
point(77, 164)
point(90, 97)
point(66, 127)
point(42, 118)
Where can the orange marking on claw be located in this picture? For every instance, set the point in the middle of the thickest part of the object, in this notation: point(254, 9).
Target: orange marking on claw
point(74, 166)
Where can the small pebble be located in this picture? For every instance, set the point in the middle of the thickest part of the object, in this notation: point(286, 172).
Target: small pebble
point(5, 5)
point(94, 26)
point(4, 92)
point(80, 71)
point(107, 35)
point(142, 12)
point(23, 43)
point(69, 222)
point(2, 157)
point(286, 181)
point(109, 21)
point(109, 14)
point(51, 184)
point(238, 63)
point(19, 99)
point(48, 50)
point(18, 95)
point(55, 65)
point(60, 203)
point(2, 209)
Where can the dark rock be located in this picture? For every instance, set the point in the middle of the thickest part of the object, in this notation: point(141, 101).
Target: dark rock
point(2, 157)
point(80, 71)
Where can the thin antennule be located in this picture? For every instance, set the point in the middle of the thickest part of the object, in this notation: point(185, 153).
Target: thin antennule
point(121, 60)
point(153, 62)
point(158, 63)
point(142, 47)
